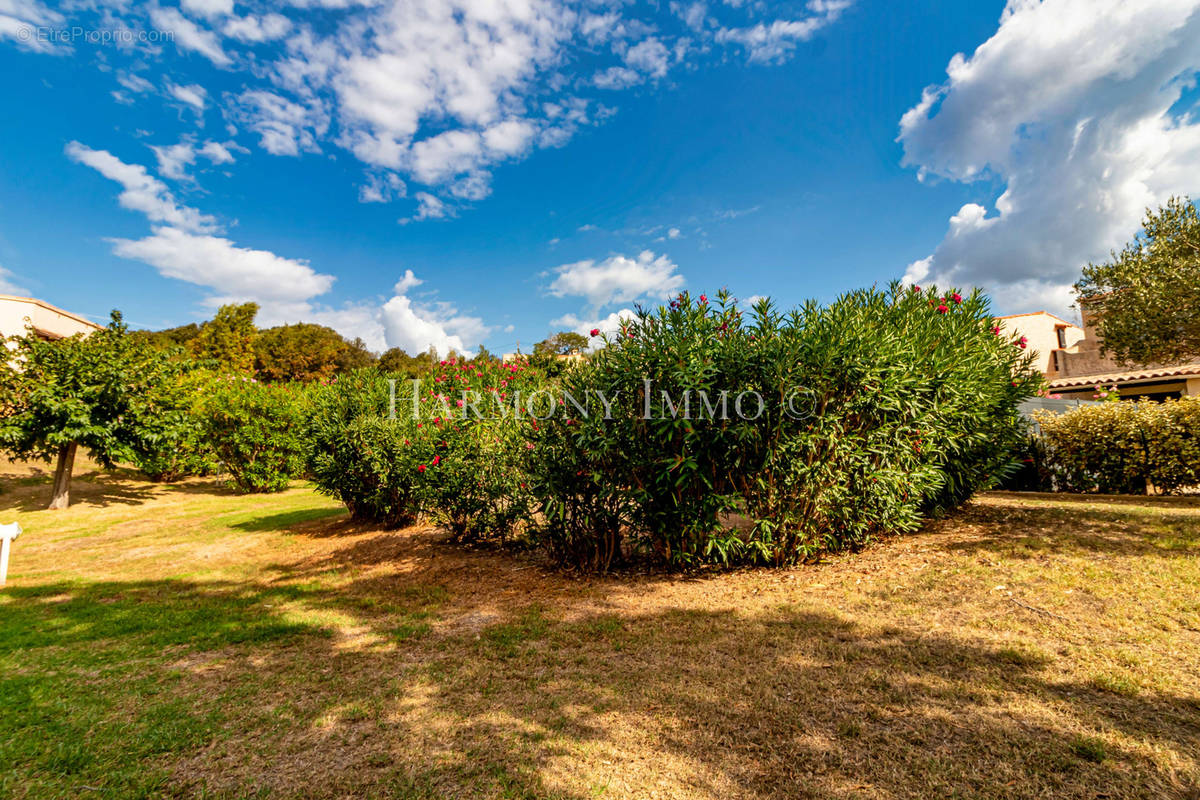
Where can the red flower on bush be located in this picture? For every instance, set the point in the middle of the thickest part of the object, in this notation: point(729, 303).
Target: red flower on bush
point(437, 460)
point(996, 331)
point(916, 289)
point(420, 468)
point(595, 331)
point(943, 308)
point(957, 298)
point(1022, 342)
point(703, 298)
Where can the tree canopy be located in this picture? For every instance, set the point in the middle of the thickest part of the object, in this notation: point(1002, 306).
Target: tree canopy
point(396, 361)
point(108, 392)
point(563, 343)
point(307, 352)
point(1146, 298)
point(231, 342)
point(228, 338)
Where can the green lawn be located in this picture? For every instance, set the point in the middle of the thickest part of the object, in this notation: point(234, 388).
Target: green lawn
point(188, 642)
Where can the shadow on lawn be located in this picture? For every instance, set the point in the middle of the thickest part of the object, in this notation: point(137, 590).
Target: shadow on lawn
point(97, 489)
point(298, 521)
point(1151, 527)
point(781, 703)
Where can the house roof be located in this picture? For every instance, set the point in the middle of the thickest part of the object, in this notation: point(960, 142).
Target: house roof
point(48, 307)
point(1035, 313)
point(1133, 376)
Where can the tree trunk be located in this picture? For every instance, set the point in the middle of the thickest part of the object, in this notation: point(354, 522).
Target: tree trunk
point(62, 476)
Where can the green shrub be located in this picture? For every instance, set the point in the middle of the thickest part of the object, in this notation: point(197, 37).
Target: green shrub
point(666, 479)
point(1118, 447)
point(911, 407)
point(181, 448)
point(875, 410)
point(361, 457)
point(446, 453)
point(475, 483)
point(257, 431)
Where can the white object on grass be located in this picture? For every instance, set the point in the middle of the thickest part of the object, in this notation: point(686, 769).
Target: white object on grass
point(7, 534)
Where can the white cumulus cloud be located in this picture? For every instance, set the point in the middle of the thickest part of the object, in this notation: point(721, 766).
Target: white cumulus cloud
point(607, 325)
point(142, 191)
point(237, 273)
point(416, 327)
point(1069, 106)
point(775, 42)
point(194, 95)
point(189, 36)
point(9, 285)
point(21, 19)
point(617, 279)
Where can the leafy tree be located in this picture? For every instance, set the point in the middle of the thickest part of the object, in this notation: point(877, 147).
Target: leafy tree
point(307, 352)
point(396, 361)
point(563, 343)
point(107, 392)
point(1146, 298)
point(170, 338)
point(356, 355)
point(228, 338)
point(257, 431)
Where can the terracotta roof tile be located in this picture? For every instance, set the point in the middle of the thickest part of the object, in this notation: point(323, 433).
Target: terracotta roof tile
point(1110, 378)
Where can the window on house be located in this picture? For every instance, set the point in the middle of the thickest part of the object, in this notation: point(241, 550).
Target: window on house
point(1062, 336)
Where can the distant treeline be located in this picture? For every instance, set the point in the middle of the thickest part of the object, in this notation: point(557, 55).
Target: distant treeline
point(301, 352)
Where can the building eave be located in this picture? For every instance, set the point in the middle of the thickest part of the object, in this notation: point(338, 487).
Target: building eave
point(48, 307)
point(1128, 377)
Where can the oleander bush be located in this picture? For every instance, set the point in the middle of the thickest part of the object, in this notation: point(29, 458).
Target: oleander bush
point(450, 448)
point(658, 468)
point(361, 456)
point(1121, 447)
point(256, 430)
point(770, 439)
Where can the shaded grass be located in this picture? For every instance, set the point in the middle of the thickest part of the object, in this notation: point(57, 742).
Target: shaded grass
point(208, 645)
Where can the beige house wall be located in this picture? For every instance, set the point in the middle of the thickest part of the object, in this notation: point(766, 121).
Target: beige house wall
point(17, 314)
point(1041, 329)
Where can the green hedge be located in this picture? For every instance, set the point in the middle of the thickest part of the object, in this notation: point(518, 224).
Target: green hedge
point(256, 431)
point(1119, 447)
point(458, 468)
point(878, 409)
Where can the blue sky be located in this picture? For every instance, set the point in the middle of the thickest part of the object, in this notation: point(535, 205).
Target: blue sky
point(456, 173)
